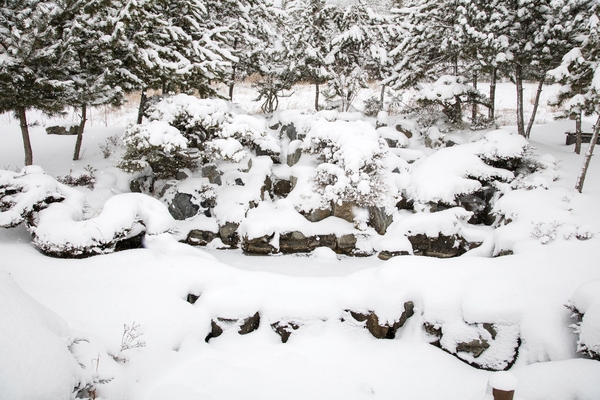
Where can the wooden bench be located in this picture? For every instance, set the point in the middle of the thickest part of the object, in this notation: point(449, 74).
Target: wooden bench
point(586, 137)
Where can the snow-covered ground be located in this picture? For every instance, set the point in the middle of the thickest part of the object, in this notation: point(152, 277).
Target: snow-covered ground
point(91, 304)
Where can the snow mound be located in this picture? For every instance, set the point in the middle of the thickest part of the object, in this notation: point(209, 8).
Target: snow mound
point(586, 301)
point(35, 362)
point(58, 232)
point(458, 170)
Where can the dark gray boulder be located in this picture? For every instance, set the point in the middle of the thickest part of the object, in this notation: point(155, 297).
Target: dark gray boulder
point(182, 207)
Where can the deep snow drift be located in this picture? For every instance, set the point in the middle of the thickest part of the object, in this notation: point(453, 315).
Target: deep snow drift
point(124, 323)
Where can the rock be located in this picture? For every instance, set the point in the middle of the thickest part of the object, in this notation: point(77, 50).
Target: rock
point(197, 237)
point(260, 245)
point(284, 329)
point(294, 242)
point(228, 234)
point(192, 298)
point(276, 126)
point(239, 182)
point(134, 242)
point(215, 331)
point(475, 347)
point(391, 143)
point(289, 130)
point(181, 206)
point(504, 252)
point(380, 219)
point(480, 204)
point(266, 188)
point(250, 324)
point(211, 172)
point(386, 255)
point(143, 184)
point(317, 214)
point(441, 246)
point(344, 211)
point(385, 331)
point(502, 341)
point(297, 242)
point(293, 157)
point(346, 244)
point(181, 175)
point(63, 130)
point(404, 131)
point(405, 204)
point(282, 188)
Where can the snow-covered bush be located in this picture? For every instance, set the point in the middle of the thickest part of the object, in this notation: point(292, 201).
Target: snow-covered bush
point(55, 215)
point(196, 119)
point(449, 92)
point(61, 231)
point(157, 146)
point(462, 169)
point(29, 191)
point(585, 303)
point(352, 168)
point(213, 126)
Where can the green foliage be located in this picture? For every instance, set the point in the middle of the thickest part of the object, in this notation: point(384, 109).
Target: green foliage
point(163, 157)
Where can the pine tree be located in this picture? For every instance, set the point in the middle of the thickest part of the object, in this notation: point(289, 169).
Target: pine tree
point(85, 28)
point(32, 60)
point(431, 45)
point(580, 72)
point(573, 75)
point(245, 29)
point(532, 42)
point(168, 45)
point(357, 52)
point(307, 35)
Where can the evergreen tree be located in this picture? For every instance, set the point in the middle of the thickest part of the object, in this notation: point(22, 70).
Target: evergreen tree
point(573, 75)
point(167, 45)
point(580, 73)
point(32, 61)
point(357, 51)
point(431, 43)
point(532, 42)
point(245, 28)
point(85, 28)
point(307, 36)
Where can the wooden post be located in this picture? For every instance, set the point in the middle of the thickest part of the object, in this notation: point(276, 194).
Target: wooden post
point(503, 394)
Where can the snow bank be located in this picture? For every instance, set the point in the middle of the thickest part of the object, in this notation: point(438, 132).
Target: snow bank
point(586, 301)
point(559, 380)
point(35, 362)
point(458, 170)
point(123, 216)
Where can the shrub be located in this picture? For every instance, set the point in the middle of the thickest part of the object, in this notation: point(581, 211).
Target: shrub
point(157, 146)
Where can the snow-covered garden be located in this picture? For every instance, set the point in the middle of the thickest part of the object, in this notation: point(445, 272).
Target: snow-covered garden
point(307, 199)
point(168, 301)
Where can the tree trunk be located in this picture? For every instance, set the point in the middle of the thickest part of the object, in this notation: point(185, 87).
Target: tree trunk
point(80, 132)
point(381, 97)
point(520, 117)
point(536, 103)
point(232, 84)
point(474, 109)
point(588, 157)
point(578, 133)
point(141, 107)
point(492, 109)
point(316, 97)
point(22, 116)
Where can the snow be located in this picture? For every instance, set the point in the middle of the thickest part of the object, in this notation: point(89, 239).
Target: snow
point(523, 294)
point(503, 381)
point(35, 362)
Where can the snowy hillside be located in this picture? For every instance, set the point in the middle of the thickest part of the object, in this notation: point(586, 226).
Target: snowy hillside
point(413, 262)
